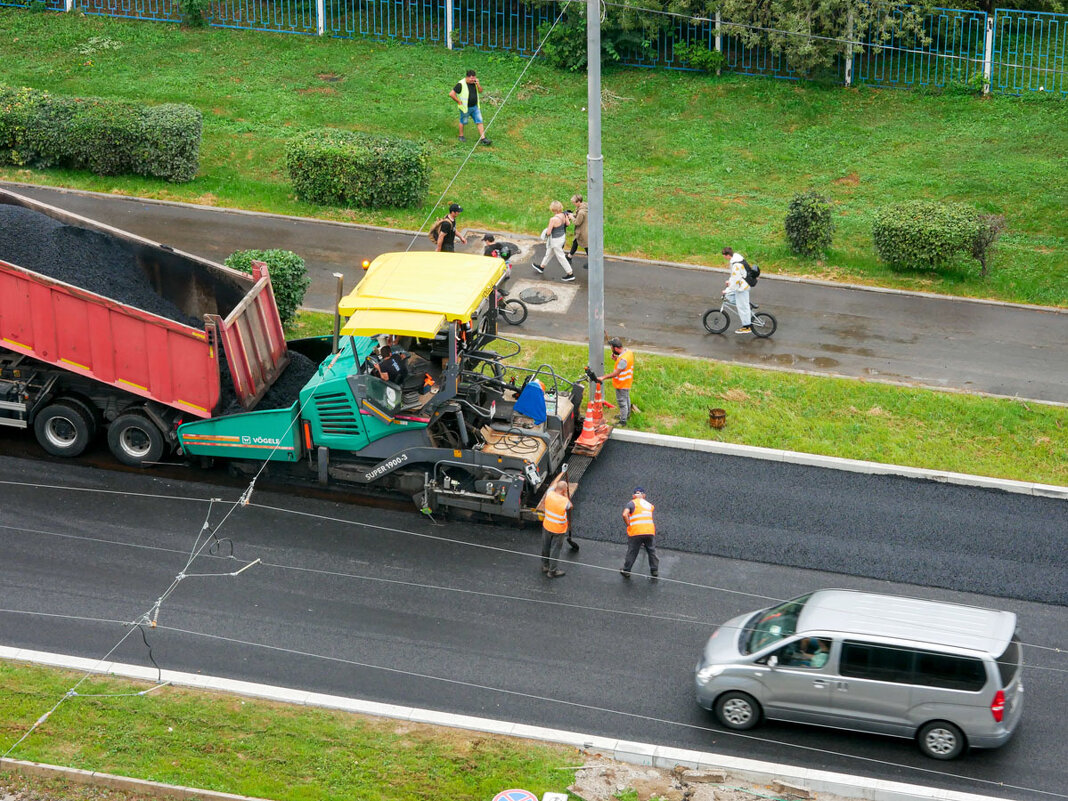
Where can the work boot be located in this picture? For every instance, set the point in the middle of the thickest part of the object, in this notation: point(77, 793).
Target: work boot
point(546, 570)
point(654, 573)
point(462, 138)
point(624, 573)
point(485, 141)
point(556, 573)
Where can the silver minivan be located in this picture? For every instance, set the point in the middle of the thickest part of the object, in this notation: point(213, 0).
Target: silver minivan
point(945, 674)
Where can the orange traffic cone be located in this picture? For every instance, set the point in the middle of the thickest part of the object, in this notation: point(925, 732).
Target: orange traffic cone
point(594, 428)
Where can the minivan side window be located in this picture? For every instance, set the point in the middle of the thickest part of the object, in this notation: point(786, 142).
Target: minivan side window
point(910, 666)
point(951, 672)
point(878, 662)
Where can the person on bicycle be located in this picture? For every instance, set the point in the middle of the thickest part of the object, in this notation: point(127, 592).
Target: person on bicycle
point(737, 289)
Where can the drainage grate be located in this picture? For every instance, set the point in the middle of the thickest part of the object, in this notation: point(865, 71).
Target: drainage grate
point(537, 295)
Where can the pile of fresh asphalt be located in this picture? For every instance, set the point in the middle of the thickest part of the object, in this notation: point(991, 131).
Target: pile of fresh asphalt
point(101, 264)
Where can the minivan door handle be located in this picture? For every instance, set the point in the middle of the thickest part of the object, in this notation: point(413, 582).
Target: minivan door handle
point(820, 683)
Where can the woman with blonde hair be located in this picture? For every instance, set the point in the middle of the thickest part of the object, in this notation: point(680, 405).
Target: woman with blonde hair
point(555, 234)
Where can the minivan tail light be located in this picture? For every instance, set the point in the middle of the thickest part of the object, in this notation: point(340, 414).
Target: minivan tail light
point(997, 706)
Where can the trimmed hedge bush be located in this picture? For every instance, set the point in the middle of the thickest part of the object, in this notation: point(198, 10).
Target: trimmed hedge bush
point(809, 224)
point(923, 233)
point(346, 168)
point(289, 277)
point(107, 137)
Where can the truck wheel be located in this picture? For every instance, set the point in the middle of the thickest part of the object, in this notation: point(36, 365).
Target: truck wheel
point(63, 429)
point(134, 440)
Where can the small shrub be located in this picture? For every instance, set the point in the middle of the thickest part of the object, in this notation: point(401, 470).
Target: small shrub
point(698, 57)
point(922, 233)
point(809, 224)
point(41, 130)
point(991, 227)
point(344, 168)
point(193, 12)
point(289, 276)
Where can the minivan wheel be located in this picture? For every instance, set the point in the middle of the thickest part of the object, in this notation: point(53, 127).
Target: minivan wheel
point(941, 740)
point(738, 711)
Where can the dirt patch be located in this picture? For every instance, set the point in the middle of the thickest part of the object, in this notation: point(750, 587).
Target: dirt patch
point(318, 90)
point(848, 180)
point(878, 411)
point(735, 394)
point(329, 77)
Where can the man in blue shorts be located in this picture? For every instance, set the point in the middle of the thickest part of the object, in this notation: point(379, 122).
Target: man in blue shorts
point(465, 93)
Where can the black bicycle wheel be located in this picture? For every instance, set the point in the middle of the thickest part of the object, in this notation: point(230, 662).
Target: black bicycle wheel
point(716, 321)
point(763, 325)
point(514, 311)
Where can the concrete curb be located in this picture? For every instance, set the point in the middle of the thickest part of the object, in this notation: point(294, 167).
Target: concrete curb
point(838, 463)
point(623, 750)
point(631, 259)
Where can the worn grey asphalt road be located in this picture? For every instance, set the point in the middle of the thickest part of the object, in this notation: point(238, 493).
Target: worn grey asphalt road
point(907, 338)
point(386, 606)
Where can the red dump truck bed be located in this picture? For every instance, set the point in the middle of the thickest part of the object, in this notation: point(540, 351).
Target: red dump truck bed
point(172, 362)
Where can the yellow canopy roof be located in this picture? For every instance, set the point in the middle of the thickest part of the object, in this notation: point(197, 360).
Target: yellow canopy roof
point(415, 293)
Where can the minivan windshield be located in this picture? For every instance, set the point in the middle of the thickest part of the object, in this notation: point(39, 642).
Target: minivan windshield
point(771, 625)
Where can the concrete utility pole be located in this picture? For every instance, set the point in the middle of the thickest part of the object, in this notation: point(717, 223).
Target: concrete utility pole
point(595, 186)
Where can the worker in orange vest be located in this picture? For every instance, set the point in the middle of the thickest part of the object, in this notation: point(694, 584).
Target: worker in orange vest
point(622, 377)
point(638, 515)
point(554, 527)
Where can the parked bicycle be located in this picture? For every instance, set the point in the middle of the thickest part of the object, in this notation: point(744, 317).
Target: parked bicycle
point(716, 321)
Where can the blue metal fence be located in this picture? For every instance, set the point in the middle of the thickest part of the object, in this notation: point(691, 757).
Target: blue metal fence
point(157, 10)
point(501, 24)
point(1030, 52)
point(278, 16)
point(949, 50)
point(406, 20)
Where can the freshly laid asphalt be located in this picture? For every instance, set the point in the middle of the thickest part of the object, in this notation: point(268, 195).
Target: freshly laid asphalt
point(387, 606)
point(901, 337)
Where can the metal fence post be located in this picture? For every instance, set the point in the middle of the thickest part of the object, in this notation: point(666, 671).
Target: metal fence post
point(68, 5)
point(320, 16)
point(849, 50)
point(719, 40)
point(988, 54)
point(448, 24)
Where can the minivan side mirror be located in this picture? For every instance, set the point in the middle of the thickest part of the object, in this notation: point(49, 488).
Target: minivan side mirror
point(773, 661)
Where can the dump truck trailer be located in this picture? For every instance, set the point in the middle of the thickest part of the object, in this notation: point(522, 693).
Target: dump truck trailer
point(74, 360)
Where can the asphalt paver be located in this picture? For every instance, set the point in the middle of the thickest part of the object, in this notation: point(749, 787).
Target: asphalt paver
point(827, 329)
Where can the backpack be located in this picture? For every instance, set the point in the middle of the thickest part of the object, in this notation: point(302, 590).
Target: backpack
point(435, 232)
point(752, 273)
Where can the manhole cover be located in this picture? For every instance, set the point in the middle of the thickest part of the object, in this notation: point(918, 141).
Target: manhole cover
point(537, 295)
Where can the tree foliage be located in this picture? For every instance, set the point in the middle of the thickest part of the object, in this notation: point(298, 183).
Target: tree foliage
point(809, 224)
point(289, 276)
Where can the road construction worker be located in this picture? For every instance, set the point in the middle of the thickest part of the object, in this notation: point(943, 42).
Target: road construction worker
point(622, 377)
point(638, 515)
point(554, 527)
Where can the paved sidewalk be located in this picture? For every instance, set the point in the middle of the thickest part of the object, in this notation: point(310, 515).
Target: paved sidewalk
point(908, 338)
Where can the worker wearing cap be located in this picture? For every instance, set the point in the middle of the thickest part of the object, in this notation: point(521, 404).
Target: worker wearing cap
point(622, 377)
point(554, 527)
point(638, 515)
point(447, 232)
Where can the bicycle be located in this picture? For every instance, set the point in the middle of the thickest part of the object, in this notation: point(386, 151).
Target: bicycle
point(716, 321)
point(513, 310)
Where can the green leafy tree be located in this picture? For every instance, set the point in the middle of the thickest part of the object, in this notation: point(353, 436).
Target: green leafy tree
point(289, 276)
point(809, 224)
point(812, 34)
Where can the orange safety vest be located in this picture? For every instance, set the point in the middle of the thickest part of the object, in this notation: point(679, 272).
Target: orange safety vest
point(626, 378)
point(555, 513)
point(641, 519)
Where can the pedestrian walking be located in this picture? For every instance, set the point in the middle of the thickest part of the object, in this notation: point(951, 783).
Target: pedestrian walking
point(447, 230)
point(641, 532)
point(555, 234)
point(581, 240)
point(622, 377)
point(465, 93)
point(737, 289)
point(554, 527)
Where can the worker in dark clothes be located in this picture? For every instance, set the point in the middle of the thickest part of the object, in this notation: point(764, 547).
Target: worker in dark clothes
point(638, 515)
point(392, 367)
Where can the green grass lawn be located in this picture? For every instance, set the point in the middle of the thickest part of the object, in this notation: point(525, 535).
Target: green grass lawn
point(692, 162)
point(258, 748)
point(830, 416)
